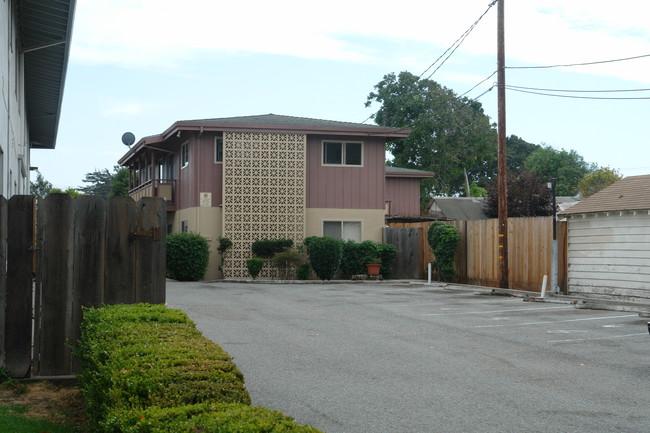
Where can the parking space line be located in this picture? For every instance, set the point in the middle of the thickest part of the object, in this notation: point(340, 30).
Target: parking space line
point(596, 338)
point(555, 321)
point(496, 311)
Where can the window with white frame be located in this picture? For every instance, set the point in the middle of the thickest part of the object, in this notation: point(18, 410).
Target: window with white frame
point(185, 155)
point(185, 226)
point(218, 149)
point(343, 153)
point(345, 230)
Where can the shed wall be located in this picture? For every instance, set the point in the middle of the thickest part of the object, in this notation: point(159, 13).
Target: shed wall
point(403, 196)
point(609, 255)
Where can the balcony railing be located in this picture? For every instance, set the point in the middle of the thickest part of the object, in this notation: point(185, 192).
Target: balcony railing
point(165, 188)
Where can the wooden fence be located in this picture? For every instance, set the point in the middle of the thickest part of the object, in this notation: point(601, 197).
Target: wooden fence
point(62, 254)
point(529, 251)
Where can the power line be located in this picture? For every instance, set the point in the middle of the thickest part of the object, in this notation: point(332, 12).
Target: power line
point(579, 64)
point(511, 87)
point(481, 82)
point(514, 89)
point(456, 44)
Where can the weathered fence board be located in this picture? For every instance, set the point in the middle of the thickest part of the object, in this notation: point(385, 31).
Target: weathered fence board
point(88, 252)
point(408, 263)
point(529, 255)
point(56, 217)
point(120, 256)
point(18, 309)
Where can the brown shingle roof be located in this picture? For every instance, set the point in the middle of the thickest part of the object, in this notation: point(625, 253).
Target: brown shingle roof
point(630, 193)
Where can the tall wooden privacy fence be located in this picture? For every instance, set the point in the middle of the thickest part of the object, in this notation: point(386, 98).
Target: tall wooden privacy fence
point(60, 254)
point(477, 259)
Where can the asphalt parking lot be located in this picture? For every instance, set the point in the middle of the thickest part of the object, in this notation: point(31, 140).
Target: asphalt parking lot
point(361, 358)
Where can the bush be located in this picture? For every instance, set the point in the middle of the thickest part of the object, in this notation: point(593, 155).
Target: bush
point(387, 253)
point(287, 261)
point(303, 272)
point(324, 255)
point(443, 240)
point(254, 266)
point(226, 418)
point(140, 355)
point(266, 248)
point(187, 256)
point(355, 257)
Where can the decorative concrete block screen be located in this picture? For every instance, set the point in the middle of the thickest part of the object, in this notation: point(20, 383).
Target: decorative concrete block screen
point(264, 193)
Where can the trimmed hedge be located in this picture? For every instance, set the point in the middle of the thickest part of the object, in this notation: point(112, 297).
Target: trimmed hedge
point(147, 369)
point(187, 256)
point(266, 248)
point(355, 257)
point(324, 256)
point(235, 418)
point(141, 355)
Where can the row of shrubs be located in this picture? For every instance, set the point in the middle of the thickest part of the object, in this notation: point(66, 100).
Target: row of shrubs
point(327, 258)
point(147, 369)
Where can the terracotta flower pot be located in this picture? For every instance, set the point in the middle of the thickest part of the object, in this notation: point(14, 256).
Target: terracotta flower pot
point(373, 268)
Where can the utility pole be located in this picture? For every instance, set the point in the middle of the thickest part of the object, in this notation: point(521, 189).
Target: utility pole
point(502, 174)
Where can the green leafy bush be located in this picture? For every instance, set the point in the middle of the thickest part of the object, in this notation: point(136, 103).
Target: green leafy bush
point(140, 355)
point(325, 256)
point(266, 248)
point(224, 244)
point(355, 257)
point(387, 253)
point(254, 266)
point(225, 418)
point(287, 261)
point(443, 240)
point(187, 256)
point(303, 272)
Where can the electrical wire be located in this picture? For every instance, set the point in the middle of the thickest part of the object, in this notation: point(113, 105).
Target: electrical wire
point(482, 81)
point(577, 91)
point(456, 44)
point(572, 96)
point(579, 64)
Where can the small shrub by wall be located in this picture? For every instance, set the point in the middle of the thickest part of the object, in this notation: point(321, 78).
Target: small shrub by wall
point(443, 240)
point(324, 256)
point(266, 248)
point(187, 256)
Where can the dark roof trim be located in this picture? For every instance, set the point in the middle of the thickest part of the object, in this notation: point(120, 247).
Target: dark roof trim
point(45, 30)
point(407, 172)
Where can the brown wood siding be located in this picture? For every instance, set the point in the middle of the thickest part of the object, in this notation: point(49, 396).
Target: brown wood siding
point(346, 187)
point(202, 174)
point(403, 195)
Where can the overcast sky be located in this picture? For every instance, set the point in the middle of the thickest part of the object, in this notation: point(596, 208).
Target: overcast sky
point(141, 65)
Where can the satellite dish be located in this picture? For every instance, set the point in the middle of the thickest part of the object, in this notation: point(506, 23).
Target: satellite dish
point(128, 139)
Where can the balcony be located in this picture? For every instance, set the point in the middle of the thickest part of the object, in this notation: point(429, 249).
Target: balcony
point(165, 188)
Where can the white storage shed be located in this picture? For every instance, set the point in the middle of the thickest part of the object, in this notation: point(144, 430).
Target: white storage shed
point(609, 242)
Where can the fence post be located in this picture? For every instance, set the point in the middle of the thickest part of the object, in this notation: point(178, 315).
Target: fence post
point(56, 219)
point(18, 309)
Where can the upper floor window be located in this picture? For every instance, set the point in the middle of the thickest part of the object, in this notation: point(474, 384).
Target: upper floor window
point(218, 149)
point(185, 155)
point(342, 153)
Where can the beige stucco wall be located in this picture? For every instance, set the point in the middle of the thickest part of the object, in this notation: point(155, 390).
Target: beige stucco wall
point(372, 221)
point(207, 222)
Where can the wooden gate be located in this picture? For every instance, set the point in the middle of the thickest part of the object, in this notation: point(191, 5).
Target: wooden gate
point(63, 254)
point(408, 264)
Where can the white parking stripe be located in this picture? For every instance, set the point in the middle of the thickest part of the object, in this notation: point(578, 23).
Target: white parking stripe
point(496, 311)
point(596, 338)
point(555, 321)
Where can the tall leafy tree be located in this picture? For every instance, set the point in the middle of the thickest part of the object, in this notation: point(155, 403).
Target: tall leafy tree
point(591, 183)
point(101, 182)
point(517, 151)
point(451, 136)
point(120, 184)
point(528, 196)
point(40, 187)
point(568, 167)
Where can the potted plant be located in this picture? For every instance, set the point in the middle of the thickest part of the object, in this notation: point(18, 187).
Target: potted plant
point(373, 265)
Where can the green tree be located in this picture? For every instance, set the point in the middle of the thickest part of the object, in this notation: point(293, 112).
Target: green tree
point(591, 183)
point(120, 183)
point(451, 136)
point(528, 196)
point(567, 167)
point(517, 151)
point(101, 182)
point(70, 191)
point(40, 187)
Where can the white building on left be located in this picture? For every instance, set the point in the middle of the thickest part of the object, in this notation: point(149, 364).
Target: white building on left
point(35, 38)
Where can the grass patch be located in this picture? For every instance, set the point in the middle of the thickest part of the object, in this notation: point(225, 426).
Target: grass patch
point(13, 419)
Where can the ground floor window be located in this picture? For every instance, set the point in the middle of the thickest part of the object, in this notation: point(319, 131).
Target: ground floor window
point(345, 230)
point(185, 226)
